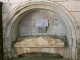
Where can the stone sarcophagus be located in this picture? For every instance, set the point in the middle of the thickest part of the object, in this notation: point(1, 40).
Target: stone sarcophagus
point(29, 43)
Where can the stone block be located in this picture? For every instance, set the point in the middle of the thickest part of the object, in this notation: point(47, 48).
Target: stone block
point(12, 6)
point(24, 1)
point(53, 50)
point(5, 1)
point(39, 0)
point(24, 34)
point(56, 0)
point(36, 34)
point(51, 30)
point(16, 1)
point(76, 0)
point(19, 51)
point(64, 52)
point(47, 50)
point(6, 7)
point(4, 15)
point(25, 30)
point(38, 49)
point(42, 29)
point(30, 23)
point(71, 5)
point(54, 22)
point(34, 30)
point(60, 29)
point(32, 49)
point(76, 16)
point(27, 22)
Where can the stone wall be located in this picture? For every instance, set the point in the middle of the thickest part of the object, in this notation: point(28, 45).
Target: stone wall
point(28, 24)
point(71, 5)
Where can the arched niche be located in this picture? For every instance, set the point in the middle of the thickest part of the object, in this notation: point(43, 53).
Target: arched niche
point(11, 23)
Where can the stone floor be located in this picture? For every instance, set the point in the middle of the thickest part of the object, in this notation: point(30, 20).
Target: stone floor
point(39, 56)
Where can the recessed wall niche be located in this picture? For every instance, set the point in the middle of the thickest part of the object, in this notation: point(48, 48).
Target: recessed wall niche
point(28, 26)
point(65, 19)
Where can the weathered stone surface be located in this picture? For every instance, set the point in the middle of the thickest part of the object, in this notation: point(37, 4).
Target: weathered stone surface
point(62, 13)
point(28, 24)
point(76, 16)
point(5, 1)
point(71, 5)
point(25, 0)
point(42, 29)
point(17, 1)
point(4, 15)
point(6, 8)
point(40, 42)
point(19, 51)
point(56, 0)
point(21, 47)
point(76, 0)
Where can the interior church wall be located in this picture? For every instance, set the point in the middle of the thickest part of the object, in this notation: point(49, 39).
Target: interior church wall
point(72, 6)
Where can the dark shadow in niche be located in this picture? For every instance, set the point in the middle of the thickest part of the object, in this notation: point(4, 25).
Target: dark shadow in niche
point(42, 29)
point(40, 55)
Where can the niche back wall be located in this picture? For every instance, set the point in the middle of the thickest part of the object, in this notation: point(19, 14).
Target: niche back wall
point(28, 26)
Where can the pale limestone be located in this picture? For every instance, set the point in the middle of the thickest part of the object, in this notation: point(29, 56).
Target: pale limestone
point(4, 15)
point(63, 52)
point(71, 5)
point(40, 42)
point(53, 50)
point(76, 0)
point(57, 0)
point(13, 6)
point(5, 1)
point(19, 51)
point(47, 50)
point(28, 24)
point(37, 42)
point(39, 49)
point(6, 7)
point(76, 16)
point(24, 1)
point(16, 1)
point(68, 21)
point(32, 49)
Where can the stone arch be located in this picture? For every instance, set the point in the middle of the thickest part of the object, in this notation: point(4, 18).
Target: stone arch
point(14, 17)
